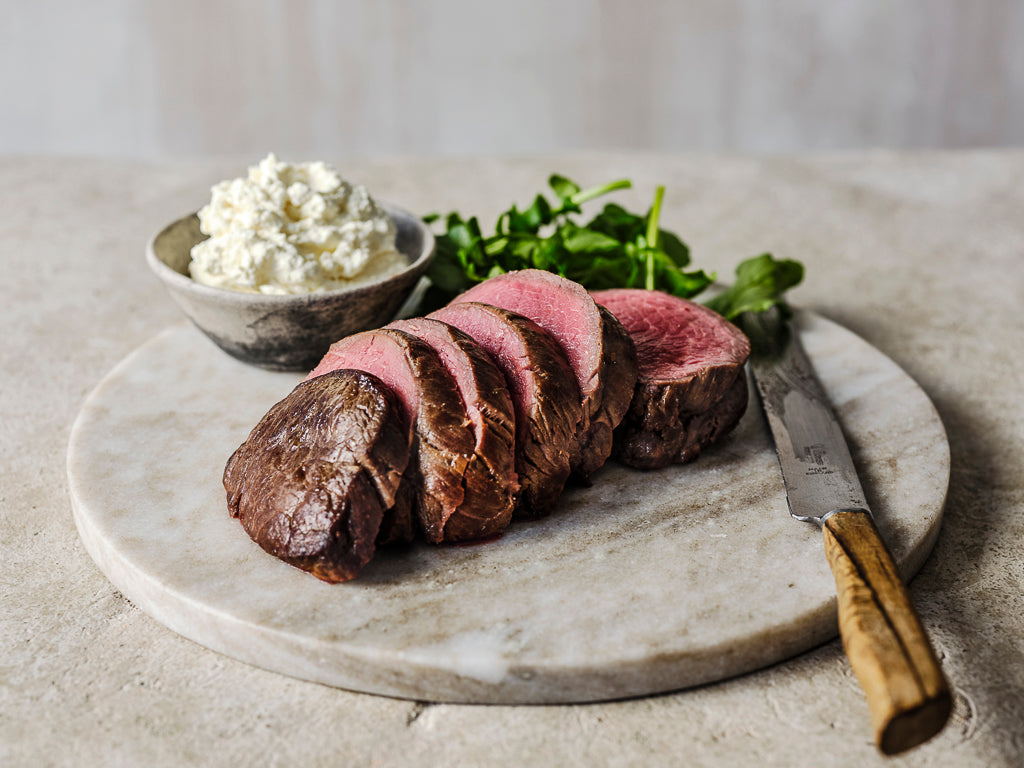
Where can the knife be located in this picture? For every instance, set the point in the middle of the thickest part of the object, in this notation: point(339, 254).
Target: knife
point(888, 649)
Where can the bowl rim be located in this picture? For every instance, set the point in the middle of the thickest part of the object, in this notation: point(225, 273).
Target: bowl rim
point(182, 282)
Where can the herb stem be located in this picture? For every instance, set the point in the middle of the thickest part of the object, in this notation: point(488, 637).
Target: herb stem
point(652, 218)
point(652, 235)
point(589, 194)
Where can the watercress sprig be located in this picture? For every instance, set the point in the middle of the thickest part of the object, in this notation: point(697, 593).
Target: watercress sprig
point(615, 249)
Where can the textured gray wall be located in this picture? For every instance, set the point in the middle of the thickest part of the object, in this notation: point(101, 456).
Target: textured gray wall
point(311, 77)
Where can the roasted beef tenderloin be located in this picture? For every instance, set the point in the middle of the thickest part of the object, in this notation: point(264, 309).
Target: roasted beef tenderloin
point(691, 388)
point(490, 479)
point(599, 350)
point(318, 474)
point(443, 441)
point(544, 393)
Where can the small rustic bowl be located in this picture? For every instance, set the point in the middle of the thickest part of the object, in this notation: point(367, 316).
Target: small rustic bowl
point(286, 333)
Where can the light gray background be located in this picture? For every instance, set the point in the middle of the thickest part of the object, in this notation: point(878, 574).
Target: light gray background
point(327, 79)
point(919, 253)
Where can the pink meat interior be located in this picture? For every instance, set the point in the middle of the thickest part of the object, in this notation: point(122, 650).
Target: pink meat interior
point(456, 362)
point(381, 354)
point(674, 337)
point(561, 307)
point(500, 340)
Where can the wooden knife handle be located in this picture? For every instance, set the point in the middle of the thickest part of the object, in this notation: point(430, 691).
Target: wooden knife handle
point(884, 640)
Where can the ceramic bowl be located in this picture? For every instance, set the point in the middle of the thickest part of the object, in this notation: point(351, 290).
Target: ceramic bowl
point(286, 333)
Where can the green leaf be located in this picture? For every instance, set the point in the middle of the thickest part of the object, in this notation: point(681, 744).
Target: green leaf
point(521, 250)
point(686, 285)
point(433, 298)
point(517, 222)
point(463, 234)
point(476, 272)
point(618, 223)
point(539, 213)
point(501, 225)
point(446, 271)
point(610, 270)
point(495, 245)
point(548, 255)
point(562, 187)
point(759, 286)
point(529, 221)
point(581, 239)
point(674, 248)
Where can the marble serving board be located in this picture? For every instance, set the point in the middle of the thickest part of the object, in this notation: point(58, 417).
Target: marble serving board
point(643, 582)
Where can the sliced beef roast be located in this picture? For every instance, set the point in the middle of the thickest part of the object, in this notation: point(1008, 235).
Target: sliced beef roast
point(704, 429)
point(399, 523)
point(316, 476)
point(490, 479)
point(544, 394)
point(691, 388)
point(443, 441)
point(599, 350)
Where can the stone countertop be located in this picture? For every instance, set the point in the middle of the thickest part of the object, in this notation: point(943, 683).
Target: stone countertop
point(922, 254)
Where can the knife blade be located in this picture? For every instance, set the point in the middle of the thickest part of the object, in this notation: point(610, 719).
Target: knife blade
point(907, 693)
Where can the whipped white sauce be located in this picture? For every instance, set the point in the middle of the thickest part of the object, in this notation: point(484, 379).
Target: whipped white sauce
point(288, 229)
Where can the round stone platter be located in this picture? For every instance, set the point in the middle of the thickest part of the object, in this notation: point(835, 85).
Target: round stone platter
point(643, 582)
